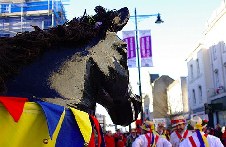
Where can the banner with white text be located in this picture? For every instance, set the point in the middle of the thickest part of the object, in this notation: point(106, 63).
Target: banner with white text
point(145, 48)
point(129, 38)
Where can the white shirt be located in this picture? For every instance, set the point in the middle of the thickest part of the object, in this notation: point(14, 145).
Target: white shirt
point(212, 140)
point(175, 141)
point(142, 141)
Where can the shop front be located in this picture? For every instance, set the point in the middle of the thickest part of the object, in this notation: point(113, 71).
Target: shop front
point(219, 111)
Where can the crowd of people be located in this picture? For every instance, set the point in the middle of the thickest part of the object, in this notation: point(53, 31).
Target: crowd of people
point(196, 133)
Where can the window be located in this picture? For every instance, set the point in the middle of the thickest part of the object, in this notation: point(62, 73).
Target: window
point(223, 46)
point(198, 68)
point(193, 95)
point(2, 24)
point(4, 35)
point(214, 52)
point(217, 81)
point(192, 74)
point(47, 23)
point(200, 93)
point(4, 8)
point(222, 117)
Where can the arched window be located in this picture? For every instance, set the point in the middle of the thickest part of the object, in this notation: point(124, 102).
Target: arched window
point(192, 72)
point(214, 52)
point(193, 95)
point(200, 93)
point(198, 67)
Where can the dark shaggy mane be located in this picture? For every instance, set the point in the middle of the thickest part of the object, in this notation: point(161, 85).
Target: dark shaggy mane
point(23, 48)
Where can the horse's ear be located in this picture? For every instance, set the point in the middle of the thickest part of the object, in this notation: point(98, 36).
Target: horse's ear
point(121, 19)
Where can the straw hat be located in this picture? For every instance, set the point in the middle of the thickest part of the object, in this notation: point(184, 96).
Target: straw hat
point(148, 126)
point(198, 123)
point(178, 120)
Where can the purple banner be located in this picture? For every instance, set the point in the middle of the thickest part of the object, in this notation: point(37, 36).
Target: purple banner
point(131, 50)
point(145, 48)
point(129, 38)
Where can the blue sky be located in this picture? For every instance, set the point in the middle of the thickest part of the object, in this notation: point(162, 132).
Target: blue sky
point(172, 41)
point(184, 22)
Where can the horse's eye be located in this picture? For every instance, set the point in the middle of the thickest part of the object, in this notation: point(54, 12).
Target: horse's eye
point(123, 45)
point(119, 48)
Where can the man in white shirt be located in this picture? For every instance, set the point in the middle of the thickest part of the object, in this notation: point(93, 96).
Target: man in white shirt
point(148, 138)
point(160, 128)
point(180, 132)
point(199, 138)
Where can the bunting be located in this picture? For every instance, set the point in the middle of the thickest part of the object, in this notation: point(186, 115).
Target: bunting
point(30, 130)
point(52, 113)
point(82, 118)
point(14, 106)
point(43, 124)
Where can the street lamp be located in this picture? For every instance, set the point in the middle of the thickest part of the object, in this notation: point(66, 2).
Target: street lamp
point(158, 21)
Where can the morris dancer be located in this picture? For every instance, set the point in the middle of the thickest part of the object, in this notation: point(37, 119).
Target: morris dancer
point(162, 131)
point(199, 138)
point(180, 132)
point(148, 138)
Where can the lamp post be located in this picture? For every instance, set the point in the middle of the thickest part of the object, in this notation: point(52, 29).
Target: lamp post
point(158, 21)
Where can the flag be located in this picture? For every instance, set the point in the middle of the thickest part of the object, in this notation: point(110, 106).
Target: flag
point(42, 124)
point(145, 48)
point(129, 38)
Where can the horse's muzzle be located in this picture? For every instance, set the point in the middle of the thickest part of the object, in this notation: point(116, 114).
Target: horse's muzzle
point(125, 113)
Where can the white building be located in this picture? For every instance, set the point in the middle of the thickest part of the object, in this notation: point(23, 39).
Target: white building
point(207, 70)
point(215, 36)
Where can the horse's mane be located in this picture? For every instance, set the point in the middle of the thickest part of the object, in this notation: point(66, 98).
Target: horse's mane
point(25, 47)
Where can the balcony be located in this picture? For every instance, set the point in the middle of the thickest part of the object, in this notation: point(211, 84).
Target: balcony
point(216, 93)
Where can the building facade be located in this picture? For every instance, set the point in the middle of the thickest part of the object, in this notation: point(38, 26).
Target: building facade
point(20, 15)
point(160, 100)
point(102, 121)
point(215, 36)
point(199, 83)
point(207, 71)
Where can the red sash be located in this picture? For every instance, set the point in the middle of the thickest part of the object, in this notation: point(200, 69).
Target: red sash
point(184, 136)
point(97, 126)
point(149, 139)
point(192, 141)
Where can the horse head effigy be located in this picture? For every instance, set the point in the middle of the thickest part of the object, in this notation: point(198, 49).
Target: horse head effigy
point(78, 64)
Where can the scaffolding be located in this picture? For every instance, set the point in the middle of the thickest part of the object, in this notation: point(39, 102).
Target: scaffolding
point(20, 15)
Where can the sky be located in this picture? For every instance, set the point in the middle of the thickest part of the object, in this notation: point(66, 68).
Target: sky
point(173, 40)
